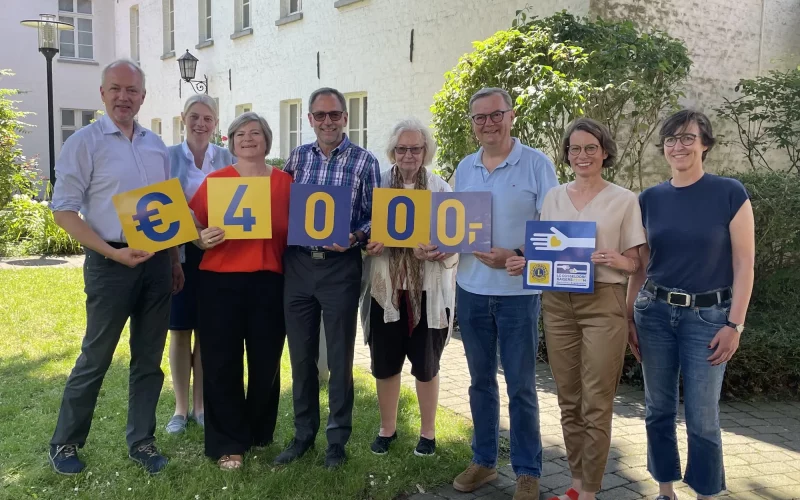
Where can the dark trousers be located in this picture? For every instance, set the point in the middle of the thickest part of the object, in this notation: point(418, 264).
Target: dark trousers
point(239, 311)
point(329, 287)
point(114, 293)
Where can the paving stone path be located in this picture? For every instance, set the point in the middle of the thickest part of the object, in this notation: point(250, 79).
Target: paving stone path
point(762, 440)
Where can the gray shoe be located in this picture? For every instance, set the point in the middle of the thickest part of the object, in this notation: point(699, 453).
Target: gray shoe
point(177, 424)
point(200, 419)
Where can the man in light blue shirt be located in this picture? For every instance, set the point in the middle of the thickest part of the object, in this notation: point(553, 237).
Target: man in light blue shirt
point(492, 306)
point(111, 156)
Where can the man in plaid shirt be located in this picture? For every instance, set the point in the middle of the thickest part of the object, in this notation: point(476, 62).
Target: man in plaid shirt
point(326, 279)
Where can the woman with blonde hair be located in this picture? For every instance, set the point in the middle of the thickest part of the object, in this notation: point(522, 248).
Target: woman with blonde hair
point(190, 162)
point(411, 298)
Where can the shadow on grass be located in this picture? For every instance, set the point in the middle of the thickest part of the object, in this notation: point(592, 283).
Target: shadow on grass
point(30, 396)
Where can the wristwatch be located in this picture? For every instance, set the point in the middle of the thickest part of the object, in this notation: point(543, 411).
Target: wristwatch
point(518, 252)
point(738, 328)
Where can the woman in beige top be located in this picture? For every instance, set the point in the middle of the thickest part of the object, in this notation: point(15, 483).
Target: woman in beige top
point(587, 334)
point(411, 298)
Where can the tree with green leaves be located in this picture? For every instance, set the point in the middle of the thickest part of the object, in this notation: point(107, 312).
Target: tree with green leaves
point(767, 117)
point(560, 68)
point(16, 171)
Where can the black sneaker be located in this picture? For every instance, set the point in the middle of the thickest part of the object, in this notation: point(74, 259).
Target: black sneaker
point(335, 456)
point(149, 458)
point(381, 444)
point(64, 459)
point(425, 448)
point(295, 450)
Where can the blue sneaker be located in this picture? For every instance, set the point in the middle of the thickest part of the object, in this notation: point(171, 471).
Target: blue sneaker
point(64, 459)
point(148, 457)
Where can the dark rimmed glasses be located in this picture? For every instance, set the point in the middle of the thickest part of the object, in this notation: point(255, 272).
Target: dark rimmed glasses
point(335, 116)
point(496, 117)
point(415, 150)
point(686, 139)
point(589, 149)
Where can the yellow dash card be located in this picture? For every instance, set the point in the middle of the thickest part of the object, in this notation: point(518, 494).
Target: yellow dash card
point(241, 206)
point(401, 217)
point(155, 217)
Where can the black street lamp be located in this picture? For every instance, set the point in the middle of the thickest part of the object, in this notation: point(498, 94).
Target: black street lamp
point(48, 45)
point(188, 66)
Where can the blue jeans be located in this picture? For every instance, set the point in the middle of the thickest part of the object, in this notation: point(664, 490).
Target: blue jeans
point(513, 321)
point(674, 340)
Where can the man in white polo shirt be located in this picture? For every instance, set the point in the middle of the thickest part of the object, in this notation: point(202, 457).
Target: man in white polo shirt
point(492, 306)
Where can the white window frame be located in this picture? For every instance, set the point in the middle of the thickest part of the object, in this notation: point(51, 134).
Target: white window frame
point(243, 108)
point(135, 53)
point(168, 18)
point(357, 129)
point(205, 22)
point(155, 126)
point(72, 17)
point(287, 133)
point(241, 5)
point(178, 130)
point(298, 6)
point(77, 123)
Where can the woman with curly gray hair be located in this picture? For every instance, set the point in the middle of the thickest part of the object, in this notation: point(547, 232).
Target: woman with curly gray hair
point(411, 298)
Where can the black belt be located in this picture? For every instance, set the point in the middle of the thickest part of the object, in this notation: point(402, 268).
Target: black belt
point(688, 299)
point(116, 244)
point(323, 254)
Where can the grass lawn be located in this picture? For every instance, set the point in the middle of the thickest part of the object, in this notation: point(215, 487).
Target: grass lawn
point(41, 326)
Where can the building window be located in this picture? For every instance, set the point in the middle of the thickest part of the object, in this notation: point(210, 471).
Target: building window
point(168, 15)
point(291, 126)
point(135, 33)
point(155, 126)
point(242, 13)
point(357, 118)
point(73, 120)
point(178, 130)
point(204, 19)
point(243, 108)
point(295, 6)
point(77, 43)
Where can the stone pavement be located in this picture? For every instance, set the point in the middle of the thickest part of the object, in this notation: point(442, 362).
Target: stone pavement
point(762, 441)
point(41, 261)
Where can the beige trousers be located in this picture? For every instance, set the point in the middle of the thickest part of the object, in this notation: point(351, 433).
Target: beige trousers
point(586, 338)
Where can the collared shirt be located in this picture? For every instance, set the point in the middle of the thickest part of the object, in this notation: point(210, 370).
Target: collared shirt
point(195, 176)
point(348, 165)
point(518, 186)
point(99, 161)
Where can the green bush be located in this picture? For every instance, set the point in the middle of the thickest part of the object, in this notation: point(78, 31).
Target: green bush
point(768, 361)
point(27, 227)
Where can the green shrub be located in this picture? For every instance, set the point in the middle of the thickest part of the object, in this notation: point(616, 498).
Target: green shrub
point(27, 227)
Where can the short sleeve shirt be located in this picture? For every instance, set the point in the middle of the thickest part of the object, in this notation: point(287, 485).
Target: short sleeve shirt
point(245, 256)
point(618, 217)
point(688, 231)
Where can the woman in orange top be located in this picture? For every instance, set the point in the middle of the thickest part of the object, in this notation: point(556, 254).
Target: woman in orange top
point(241, 303)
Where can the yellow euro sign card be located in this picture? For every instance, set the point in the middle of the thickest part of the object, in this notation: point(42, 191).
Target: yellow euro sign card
point(401, 218)
point(155, 217)
point(241, 206)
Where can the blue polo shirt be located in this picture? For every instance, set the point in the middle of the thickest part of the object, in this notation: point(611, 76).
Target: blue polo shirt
point(518, 186)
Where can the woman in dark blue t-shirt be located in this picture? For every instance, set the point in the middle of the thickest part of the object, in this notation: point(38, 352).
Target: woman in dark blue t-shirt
point(688, 302)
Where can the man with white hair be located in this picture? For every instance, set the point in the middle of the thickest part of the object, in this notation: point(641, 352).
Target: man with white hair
point(114, 155)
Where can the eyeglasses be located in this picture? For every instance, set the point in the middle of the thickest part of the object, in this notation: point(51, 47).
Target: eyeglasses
point(686, 139)
point(589, 149)
point(401, 150)
point(334, 115)
point(496, 117)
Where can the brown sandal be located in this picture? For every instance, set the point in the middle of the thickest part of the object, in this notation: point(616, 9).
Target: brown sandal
point(230, 462)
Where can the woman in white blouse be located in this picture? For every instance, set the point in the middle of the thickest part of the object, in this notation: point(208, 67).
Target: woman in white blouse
point(190, 162)
point(411, 298)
